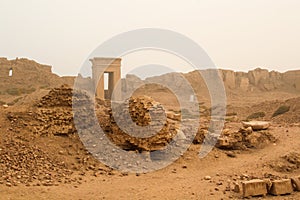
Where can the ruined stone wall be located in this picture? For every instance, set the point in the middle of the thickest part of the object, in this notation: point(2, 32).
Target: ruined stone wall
point(27, 76)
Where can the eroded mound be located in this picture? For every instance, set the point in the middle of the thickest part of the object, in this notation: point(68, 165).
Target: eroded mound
point(33, 151)
point(287, 163)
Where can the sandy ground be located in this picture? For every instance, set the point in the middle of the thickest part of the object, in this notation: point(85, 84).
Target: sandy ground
point(184, 179)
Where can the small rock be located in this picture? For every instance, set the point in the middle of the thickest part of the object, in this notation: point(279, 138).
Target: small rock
point(236, 188)
point(231, 154)
point(207, 178)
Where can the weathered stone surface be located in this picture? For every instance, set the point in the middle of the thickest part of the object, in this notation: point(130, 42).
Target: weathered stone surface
point(255, 187)
point(257, 125)
point(254, 80)
point(145, 116)
point(296, 183)
point(280, 187)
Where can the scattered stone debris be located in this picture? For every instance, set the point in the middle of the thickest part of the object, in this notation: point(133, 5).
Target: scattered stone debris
point(287, 163)
point(243, 139)
point(21, 163)
point(24, 162)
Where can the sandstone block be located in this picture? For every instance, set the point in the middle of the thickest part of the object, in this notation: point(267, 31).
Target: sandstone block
point(280, 187)
point(257, 125)
point(255, 187)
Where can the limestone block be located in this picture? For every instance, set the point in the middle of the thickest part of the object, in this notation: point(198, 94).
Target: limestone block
point(280, 187)
point(257, 125)
point(255, 187)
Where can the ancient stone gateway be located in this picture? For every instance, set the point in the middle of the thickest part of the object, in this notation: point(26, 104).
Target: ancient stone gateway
point(112, 68)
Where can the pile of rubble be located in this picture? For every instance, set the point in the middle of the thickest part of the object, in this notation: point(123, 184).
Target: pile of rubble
point(130, 131)
point(244, 138)
point(22, 163)
point(139, 123)
point(53, 115)
point(25, 162)
point(231, 139)
point(57, 97)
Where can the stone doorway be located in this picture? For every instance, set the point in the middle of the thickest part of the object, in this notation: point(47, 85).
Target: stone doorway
point(111, 68)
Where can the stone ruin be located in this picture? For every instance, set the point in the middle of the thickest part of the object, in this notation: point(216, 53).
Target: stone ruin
point(111, 66)
point(143, 112)
point(53, 115)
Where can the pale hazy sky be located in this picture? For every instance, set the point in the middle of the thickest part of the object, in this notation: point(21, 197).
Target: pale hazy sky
point(236, 34)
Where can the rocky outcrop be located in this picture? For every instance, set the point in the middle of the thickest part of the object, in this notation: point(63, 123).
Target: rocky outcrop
point(28, 76)
point(253, 81)
point(293, 78)
point(261, 79)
